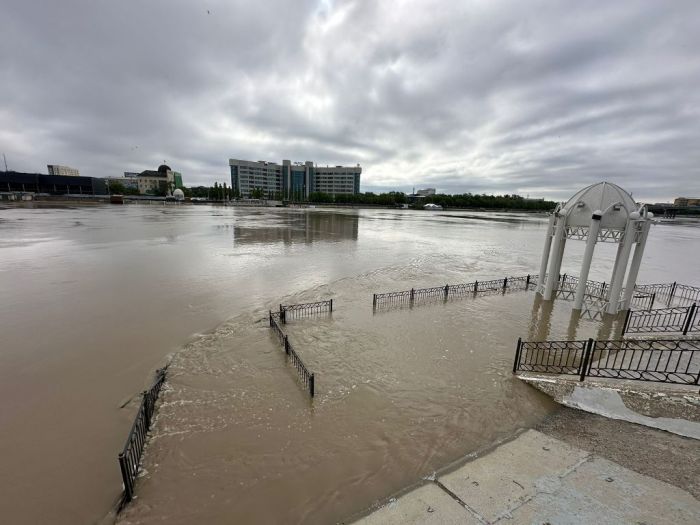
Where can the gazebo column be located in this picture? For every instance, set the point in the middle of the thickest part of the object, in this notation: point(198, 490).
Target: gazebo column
point(636, 263)
point(555, 259)
point(593, 230)
point(545, 255)
point(618, 276)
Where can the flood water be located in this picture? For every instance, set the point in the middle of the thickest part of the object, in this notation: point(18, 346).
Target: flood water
point(94, 299)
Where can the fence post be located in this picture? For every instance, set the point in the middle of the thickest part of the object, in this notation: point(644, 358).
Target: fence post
point(516, 362)
point(311, 385)
point(126, 479)
point(673, 291)
point(689, 318)
point(331, 305)
point(651, 304)
point(447, 291)
point(505, 283)
point(586, 358)
point(527, 282)
point(627, 321)
point(374, 300)
point(286, 345)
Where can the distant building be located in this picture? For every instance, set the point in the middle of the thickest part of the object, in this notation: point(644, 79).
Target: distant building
point(684, 202)
point(426, 192)
point(55, 169)
point(127, 182)
point(162, 180)
point(14, 181)
point(292, 181)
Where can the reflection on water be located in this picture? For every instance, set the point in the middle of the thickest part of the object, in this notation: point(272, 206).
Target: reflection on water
point(95, 298)
point(301, 228)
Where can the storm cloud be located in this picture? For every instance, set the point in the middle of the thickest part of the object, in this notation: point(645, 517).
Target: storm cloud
point(532, 97)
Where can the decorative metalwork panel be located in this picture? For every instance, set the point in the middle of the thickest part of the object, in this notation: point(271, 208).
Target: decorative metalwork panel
point(657, 360)
point(553, 357)
point(580, 233)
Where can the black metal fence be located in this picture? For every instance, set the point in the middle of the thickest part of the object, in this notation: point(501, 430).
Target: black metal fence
point(448, 291)
point(675, 319)
point(130, 456)
point(658, 360)
point(305, 375)
point(673, 293)
point(304, 309)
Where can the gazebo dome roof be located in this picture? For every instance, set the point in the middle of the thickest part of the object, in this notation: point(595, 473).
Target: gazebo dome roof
point(606, 198)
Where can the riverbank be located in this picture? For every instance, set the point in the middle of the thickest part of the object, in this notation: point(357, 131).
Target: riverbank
point(572, 467)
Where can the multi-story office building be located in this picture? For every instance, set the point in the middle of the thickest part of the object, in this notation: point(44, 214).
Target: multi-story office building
point(293, 181)
point(55, 169)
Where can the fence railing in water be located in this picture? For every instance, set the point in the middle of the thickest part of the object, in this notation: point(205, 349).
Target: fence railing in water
point(657, 360)
point(676, 319)
point(304, 309)
point(452, 290)
point(307, 377)
point(673, 293)
point(598, 292)
point(130, 456)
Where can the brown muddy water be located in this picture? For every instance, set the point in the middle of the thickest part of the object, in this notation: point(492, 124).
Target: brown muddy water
point(94, 299)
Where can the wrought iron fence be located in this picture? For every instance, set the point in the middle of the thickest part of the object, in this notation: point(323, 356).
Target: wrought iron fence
point(307, 377)
point(675, 319)
point(130, 456)
point(554, 357)
point(304, 309)
point(404, 297)
point(658, 360)
point(673, 293)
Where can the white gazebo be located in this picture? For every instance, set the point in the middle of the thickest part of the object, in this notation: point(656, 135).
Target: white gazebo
point(602, 212)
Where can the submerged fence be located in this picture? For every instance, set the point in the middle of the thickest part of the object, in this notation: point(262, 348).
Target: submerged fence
point(130, 456)
point(308, 379)
point(676, 319)
point(657, 360)
point(680, 294)
point(304, 309)
point(452, 291)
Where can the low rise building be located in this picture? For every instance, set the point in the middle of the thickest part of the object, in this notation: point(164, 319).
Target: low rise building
point(291, 181)
point(684, 202)
point(162, 181)
point(65, 171)
point(14, 181)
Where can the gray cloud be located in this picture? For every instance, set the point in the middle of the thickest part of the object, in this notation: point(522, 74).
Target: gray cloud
point(536, 98)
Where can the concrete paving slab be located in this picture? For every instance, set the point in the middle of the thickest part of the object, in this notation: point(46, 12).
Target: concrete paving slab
point(502, 480)
point(602, 492)
point(428, 505)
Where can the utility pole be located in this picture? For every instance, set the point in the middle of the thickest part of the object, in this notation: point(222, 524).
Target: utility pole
point(5, 159)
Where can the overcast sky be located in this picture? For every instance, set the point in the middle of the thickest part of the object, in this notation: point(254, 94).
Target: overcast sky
point(525, 97)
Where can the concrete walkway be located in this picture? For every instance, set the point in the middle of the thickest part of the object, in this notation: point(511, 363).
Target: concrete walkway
point(538, 479)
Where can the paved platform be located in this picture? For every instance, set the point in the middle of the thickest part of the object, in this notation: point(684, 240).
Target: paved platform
point(538, 479)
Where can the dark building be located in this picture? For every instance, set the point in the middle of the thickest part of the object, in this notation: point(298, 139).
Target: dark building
point(11, 181)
